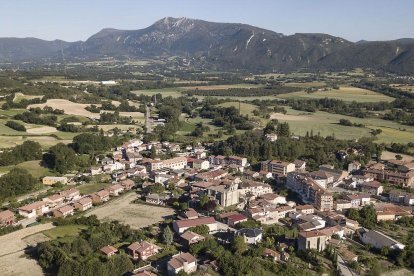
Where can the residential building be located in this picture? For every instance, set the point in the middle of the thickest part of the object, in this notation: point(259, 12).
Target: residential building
point(109, 250)
point(232, 220)
point(63, 211)
point(182, 262)
point(176, 163)
point(115, 190)
point(180, 226)
point(71, 194)
point(251, 235)
point(255, 188)
point(83, 204)
point(236, 160)
point(305, 209)
point(324, 201)
point(271, 254)
point(143, 250)
point(274, 199)
point(312, 240)
point(277, 167)
point(34, 209)
point(157, 199)
point(127, 184)
point(371, 187)
point(190, 238)
point(54, 200)
point(100, 197)
point(211, 175)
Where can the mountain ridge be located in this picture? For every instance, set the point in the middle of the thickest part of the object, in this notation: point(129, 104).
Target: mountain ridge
point(224, 46)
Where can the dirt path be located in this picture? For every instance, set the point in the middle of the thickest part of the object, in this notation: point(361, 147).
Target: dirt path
point(136, 215)
point(12, 259)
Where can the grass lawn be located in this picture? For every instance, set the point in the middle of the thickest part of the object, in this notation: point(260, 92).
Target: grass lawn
point(64, 231)
point(245, 108)
point(344, 93)
point(18, 97)
point(92, 187)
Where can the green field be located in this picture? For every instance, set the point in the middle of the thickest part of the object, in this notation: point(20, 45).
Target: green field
point(64, 231)
point(92, 187)
point(33, 167)
point(348, 94)
point(327, 124)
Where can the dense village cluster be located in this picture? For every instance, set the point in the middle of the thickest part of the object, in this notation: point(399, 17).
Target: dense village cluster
point(224, 194)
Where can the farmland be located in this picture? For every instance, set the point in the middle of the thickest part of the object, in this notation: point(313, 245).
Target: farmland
point(68, 107)
point(343, 93)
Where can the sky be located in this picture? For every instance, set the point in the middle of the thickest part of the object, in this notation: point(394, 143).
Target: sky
point(73, 20)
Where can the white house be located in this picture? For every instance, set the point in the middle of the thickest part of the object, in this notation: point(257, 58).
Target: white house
point(251, 235)
point(34, 209)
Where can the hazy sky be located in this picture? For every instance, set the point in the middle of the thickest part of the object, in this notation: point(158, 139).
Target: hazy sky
point(78, 19)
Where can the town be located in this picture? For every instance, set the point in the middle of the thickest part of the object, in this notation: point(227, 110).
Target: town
point(222, 198)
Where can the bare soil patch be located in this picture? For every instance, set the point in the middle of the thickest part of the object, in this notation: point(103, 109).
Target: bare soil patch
point(136, 215)
point(12, 259)
point(286, 117)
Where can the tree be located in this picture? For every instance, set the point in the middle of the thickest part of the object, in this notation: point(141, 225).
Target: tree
point(167, 236)
point(239, 245)
point(200, 229)
point(60, 158)
point(16, 182)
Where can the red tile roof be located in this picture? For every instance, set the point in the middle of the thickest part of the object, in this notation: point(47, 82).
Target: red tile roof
point(194, 222)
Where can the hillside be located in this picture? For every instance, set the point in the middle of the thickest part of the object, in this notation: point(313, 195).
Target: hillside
point(222, 46)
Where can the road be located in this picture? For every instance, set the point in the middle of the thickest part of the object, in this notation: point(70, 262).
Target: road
point(148, 120)
point(343, 268)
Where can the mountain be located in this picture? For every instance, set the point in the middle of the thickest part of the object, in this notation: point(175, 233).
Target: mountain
point(23, 49)
point(222, 46)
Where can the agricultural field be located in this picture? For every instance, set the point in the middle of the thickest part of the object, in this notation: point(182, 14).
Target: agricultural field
point(136, 215)
point(70, 108)
point(327, 124)
point(348, 94)
point(12, 259)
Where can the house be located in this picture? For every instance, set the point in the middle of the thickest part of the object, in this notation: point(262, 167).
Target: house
point(109, 250)
point(144, 273)
point(358, 200)
point(127, 184)
point(312, 240)
point(51, 180)
point(211, 175)
point(54, 200)
point(71, 194)
point(378, 240)
point(277, 167)
point(354, 166)
point(305, 209)
point(99, 197)
point(251, 235)
point(34, 209)
point(397, 196)
point(63, 211)
point(182, 262)
point(371, 188)
point(83, 204)
point(180, 226)
point(232, 220)
point(274, 199)
point(200, 164)
point(236, 160)
point(7, 218)
point(300, 165)
point(341, 205)
point(177, 163)
point(143, 250)
point(255, 188)
point(115, 190)
point(190, 238)
point(271, 254)
point(157, 199)
point(190, 213)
